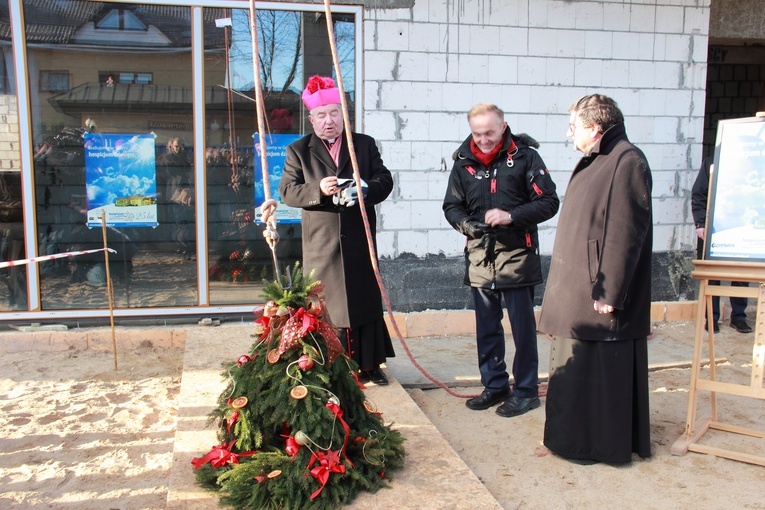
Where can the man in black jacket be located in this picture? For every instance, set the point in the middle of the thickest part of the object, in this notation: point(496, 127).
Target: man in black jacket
point(699, 194)
point(499, 190)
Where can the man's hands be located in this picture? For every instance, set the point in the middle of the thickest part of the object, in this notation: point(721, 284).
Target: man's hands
point(351, 194)
point(473, 228)
point(497, 217)
point(328, 186)
point(602, 308)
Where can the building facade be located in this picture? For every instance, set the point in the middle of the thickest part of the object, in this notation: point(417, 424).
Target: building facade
point(82, 79)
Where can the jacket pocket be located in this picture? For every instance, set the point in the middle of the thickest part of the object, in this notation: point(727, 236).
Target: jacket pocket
point(593, 259)
point(480, 252)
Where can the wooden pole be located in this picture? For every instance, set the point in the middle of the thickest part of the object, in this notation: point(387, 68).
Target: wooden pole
point(109, 288)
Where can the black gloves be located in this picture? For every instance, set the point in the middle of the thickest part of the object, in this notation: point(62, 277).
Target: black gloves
point(473, 228)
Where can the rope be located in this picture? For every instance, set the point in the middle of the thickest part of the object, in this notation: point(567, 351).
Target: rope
point(260, 107)
point(21, 262)
point(268, 207)
point(365, 218)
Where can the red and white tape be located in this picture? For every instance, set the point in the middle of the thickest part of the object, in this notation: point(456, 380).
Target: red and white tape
point(68, 254)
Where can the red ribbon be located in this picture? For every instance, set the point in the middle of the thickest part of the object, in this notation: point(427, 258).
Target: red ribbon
point(298, 326)
point(231, 420)
point(339, 414)
point(358, 383)
point(265, 322)
point(329, 463)
point(219, 456)
point(334, 347)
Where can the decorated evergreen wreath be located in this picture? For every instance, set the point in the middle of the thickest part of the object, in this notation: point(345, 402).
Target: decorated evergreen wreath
point(295, 429)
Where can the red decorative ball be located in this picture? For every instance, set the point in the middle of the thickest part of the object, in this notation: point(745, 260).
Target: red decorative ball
point(305, 362)
point(292, 447)
point(243, 359)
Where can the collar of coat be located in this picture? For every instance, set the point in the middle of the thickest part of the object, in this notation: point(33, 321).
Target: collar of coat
point(522, 140)
point(317, 146)
point(609, 139)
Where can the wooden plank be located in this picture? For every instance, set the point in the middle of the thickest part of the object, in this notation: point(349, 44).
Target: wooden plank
point(736, 429)
point(728, 454)
point(729, 271)
point(681, 445)
point(730, 388)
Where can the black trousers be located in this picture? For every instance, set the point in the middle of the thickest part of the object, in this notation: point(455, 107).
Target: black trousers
point(490, 339)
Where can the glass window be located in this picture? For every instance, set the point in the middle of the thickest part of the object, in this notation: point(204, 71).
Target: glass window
point(120, 19)
point(108, 77)
point(54, 81)
point(114, 146)
point(114, 137)
point(293, 46)
point(13, 280)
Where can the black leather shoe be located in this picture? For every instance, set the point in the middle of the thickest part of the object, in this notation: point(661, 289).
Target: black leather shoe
point(487, 399)
point(715, 327)
point(515, 406)
point(376, 375)
point(740, 326)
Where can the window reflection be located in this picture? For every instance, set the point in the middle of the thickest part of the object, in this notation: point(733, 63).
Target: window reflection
point(293, 46)
point(116, 72)
point(129, 78)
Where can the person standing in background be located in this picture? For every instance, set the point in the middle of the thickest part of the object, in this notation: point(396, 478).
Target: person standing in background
point(699, 199)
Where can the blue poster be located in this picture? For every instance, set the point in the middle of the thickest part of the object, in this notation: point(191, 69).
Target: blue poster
point(121, 179)
point(276, 153)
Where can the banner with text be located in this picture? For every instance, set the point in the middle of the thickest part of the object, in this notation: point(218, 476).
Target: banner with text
point(276, 153)
point(121, 179)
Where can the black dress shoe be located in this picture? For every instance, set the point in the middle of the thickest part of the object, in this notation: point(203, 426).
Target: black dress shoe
point(740, 326)
point(376, 375)
point(515, 406)
point(487, 399)
point(715, 327)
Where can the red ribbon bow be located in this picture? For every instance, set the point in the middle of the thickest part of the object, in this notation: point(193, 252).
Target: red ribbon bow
point(219, 456)
point(328, 463)
point(335, 409)
point(298, 326)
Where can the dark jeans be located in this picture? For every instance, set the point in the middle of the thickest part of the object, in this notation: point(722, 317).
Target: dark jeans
point(490, 339)
point(737, 304)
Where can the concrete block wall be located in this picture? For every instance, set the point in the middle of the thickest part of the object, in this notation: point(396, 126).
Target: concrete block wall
point(427, 62)
point(9, 134)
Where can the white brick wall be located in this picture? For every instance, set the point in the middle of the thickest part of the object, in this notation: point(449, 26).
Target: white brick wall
point(9, 134)
point(426, 66)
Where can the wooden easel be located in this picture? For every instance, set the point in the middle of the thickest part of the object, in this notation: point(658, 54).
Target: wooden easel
point(728, 271)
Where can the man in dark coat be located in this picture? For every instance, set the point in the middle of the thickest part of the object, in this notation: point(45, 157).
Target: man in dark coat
point(699, 195)
point(499, 190)
point(597, 303)
point(316, 170)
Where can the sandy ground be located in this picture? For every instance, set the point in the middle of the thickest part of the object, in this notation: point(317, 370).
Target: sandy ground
point(75, 433)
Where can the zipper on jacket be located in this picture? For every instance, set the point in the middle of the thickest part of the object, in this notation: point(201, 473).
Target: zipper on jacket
point(494, 183)
point(537, 189)
point(528, 240)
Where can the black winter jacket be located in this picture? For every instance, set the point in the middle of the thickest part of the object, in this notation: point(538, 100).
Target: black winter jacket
point(516, 181)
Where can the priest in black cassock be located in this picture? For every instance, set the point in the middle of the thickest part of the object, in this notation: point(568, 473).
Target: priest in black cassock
point(597, 303)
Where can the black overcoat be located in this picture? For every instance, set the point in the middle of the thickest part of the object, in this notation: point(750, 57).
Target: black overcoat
point(334, 239)
point(603, 246)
